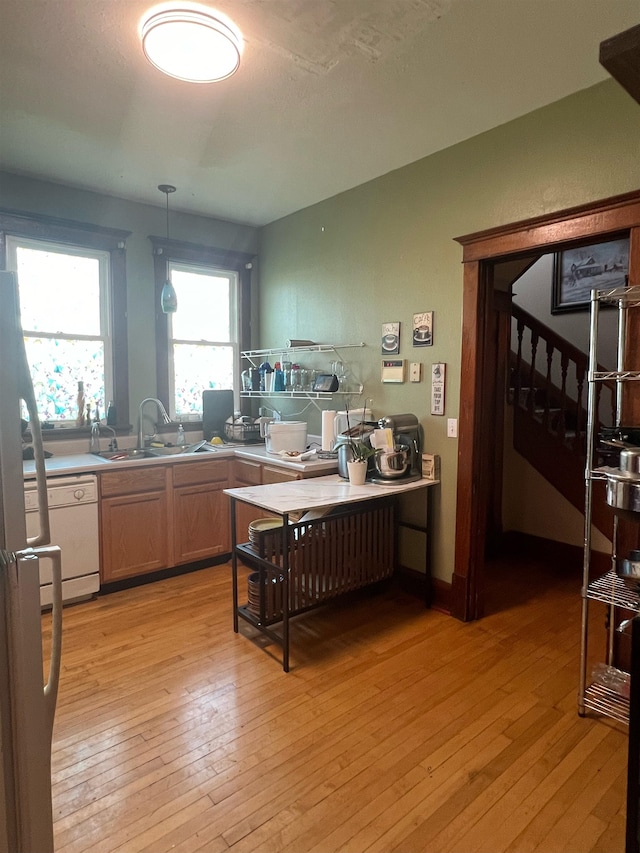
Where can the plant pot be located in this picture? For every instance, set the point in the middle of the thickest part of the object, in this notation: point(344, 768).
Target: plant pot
point(357, 472)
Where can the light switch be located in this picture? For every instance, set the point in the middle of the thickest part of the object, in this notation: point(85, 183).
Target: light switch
point(452, 428)
point(415, 371)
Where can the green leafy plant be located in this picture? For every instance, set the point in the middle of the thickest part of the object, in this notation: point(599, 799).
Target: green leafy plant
point(361, 450)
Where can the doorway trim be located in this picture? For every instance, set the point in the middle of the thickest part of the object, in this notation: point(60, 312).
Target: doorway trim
point(478, 379)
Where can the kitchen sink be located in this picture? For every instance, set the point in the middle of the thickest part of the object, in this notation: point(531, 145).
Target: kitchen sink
point(147, 453)
point(119, 455)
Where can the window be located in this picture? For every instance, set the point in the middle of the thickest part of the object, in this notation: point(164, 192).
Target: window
point(198, 347)
point(72, 288)
point(65, 318)
point(203, 335)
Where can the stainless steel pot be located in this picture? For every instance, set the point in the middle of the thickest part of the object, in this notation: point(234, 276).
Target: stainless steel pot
point(623, 490)
point(392, 465)
point(630, 460)
point(629, 569)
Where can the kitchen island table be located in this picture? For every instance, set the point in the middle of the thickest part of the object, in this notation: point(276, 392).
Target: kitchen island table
point(333, 538)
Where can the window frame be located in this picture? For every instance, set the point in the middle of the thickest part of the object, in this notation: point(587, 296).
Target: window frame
point(180, 252)
point(64, 232)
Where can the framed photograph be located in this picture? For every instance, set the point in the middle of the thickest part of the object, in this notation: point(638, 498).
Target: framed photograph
point(390, 338)
point(577, 272)
point(423, 329)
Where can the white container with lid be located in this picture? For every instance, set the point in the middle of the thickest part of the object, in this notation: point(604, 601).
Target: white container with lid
point(282, 436)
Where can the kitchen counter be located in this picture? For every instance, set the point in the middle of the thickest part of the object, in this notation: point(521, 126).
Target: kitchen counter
point(83, 463)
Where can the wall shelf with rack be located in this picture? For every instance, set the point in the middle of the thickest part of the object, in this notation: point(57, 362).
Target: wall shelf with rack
point(256, 356)
point(605, 697)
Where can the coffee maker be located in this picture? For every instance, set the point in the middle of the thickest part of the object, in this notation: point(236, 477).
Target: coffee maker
point(407, 436)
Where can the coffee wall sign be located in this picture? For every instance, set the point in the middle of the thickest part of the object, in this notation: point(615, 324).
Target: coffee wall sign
point(423, 329)
point(390, 338)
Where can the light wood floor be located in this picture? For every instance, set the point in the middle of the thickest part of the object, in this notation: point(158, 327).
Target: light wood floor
point(398, 728)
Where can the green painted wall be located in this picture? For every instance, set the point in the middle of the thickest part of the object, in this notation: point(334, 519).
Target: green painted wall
point(336, 271)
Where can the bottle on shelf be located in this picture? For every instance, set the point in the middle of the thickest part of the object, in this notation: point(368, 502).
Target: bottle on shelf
point(278, 378)
point(286, 371)
point(112, 418)
point(81, 402)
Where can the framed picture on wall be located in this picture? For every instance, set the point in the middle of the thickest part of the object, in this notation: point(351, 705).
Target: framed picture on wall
point(576, 272)
point(423, 329)
point(390, 338)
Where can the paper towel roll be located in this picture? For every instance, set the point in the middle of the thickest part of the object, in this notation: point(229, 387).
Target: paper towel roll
point(300, 342)
point(328, 417)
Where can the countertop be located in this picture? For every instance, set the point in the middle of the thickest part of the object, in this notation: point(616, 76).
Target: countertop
point(85, 463)
point(319, 492)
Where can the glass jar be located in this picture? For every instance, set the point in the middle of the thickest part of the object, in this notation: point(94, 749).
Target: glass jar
point(296, 377)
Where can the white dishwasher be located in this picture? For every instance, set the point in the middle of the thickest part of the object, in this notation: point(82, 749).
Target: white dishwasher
point(73, 517)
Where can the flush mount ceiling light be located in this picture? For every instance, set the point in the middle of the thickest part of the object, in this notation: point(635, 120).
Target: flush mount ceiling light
point(191, 42)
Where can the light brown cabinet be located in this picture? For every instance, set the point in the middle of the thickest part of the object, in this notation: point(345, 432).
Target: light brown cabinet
point(246, 472)
point(249, 472)
point(274, 474)
point(200, 510)
point(135, 533)
point(162, 516)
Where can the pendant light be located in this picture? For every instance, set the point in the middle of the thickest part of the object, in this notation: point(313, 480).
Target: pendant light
point(168, 298)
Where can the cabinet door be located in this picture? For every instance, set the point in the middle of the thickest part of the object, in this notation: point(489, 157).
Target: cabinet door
point(246, 473)
point(134, 535)
point(201, 522)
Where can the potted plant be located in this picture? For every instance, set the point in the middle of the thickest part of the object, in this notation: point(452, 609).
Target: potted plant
point(359, 451)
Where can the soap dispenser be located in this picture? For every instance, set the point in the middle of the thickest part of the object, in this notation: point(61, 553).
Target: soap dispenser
point(180, 438)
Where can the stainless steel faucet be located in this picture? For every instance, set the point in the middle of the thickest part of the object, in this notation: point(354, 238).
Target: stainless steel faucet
point(162, 411)
point(94, 438)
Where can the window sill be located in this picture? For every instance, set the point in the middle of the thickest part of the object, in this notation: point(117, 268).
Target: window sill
point(67, 432)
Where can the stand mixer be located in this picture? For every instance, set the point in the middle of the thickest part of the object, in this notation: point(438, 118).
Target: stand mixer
point(407, 439)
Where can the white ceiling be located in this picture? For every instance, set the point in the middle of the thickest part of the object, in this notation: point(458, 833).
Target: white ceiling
point(330, 93)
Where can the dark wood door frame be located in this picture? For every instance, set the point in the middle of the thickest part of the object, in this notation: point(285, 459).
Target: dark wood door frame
point(481, 250)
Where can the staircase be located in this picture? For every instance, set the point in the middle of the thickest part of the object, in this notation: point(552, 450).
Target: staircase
point(547, 389)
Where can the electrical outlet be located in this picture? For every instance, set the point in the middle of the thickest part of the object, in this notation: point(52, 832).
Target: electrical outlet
point(452, 428)
point(415, 371)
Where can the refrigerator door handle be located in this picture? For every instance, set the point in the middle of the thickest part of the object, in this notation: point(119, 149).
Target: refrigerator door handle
point(53, 553)
point(29, 397)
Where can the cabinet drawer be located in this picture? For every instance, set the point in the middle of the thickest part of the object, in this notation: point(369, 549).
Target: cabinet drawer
point(274, 474)
point(247, 473)
point(201, 472)
point(133, 480)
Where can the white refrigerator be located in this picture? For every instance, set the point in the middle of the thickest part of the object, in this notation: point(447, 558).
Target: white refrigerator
point(27, 701)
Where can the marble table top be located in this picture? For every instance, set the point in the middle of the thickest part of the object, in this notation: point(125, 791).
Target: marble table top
point(319, 492)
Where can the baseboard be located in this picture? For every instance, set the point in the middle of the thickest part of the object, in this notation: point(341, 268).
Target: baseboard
point(415, 583)
point(569, 557)
point(161, 574)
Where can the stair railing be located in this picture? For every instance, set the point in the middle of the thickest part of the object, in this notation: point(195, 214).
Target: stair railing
point(553, 393)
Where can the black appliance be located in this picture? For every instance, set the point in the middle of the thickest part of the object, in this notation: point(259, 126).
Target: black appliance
point(217, 406)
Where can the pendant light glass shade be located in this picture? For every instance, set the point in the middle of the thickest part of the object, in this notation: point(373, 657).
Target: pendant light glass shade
point(191, 42)
point(168, 297)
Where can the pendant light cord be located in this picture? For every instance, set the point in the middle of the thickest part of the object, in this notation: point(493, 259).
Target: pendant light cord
point(167, 189)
